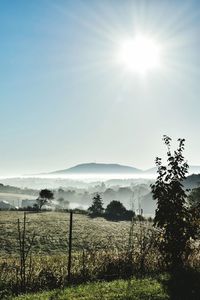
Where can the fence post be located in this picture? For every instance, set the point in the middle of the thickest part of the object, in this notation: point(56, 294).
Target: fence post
point(22, 252)
point(70, 246)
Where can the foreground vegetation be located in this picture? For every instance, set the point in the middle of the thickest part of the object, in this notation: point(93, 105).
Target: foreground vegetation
point(182, 285)
point(101, 250)
point(116, 290)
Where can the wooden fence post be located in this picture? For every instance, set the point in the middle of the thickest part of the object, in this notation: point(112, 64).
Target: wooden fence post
point(70, 246)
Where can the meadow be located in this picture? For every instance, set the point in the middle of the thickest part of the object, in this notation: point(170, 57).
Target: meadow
point(51, 232)
point(101, 251)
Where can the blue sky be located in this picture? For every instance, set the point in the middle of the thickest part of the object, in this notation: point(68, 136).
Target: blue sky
point(64, 99)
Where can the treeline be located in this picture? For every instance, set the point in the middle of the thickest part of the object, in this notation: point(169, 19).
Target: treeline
point(115, 210)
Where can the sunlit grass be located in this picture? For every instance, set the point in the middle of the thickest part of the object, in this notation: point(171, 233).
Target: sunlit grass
point(117, 290)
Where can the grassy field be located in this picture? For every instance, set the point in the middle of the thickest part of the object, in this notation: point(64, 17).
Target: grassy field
point(101, 250)
point(144, 289)
point(51, 232)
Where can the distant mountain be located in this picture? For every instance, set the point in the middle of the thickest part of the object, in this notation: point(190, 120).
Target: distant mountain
point(99, 168)
point(192, 181)
point(151, 171)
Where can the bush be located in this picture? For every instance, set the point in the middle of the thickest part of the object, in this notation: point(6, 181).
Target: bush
point(117, 212)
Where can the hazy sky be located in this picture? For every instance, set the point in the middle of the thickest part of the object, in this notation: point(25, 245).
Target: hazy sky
point(65, 100)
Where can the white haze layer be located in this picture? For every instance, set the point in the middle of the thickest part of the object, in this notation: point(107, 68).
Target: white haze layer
point(86, 177)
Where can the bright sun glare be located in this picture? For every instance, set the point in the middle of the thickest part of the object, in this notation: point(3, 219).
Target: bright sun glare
point(139, 54)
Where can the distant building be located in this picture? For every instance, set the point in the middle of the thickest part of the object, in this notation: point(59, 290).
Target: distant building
point(4, 205)
point(26, 203)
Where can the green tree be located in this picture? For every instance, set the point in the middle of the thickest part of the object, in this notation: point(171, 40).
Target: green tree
point(172, 213)
point(194, 202)
point(115, 210)
point(96, 209)
point(44, 197)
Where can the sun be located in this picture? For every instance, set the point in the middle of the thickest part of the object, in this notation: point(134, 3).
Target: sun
point(140, 54)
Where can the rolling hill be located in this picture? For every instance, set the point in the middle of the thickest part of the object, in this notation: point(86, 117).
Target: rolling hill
point(102, 168)
point(99, 168)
